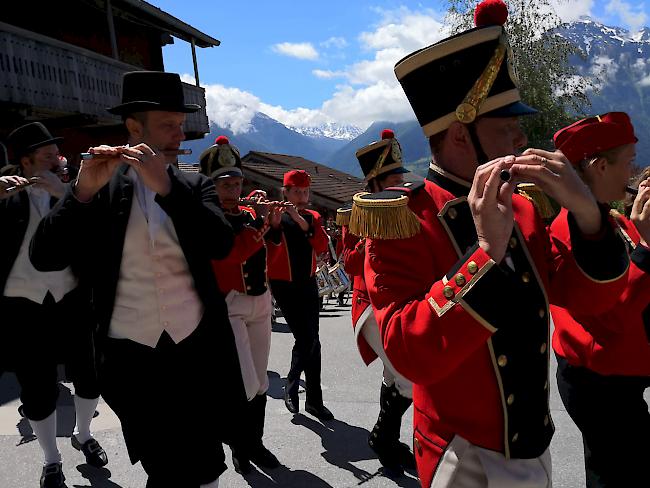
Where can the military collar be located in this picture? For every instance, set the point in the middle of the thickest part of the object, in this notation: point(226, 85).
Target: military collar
point(447, 181)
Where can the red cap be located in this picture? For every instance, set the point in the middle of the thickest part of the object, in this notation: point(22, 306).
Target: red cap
point(297, 177)
point(594, 134)
point(387, 134)
point(490, 12)
point(221, 140)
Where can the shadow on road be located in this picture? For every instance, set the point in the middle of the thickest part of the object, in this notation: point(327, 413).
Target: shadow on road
point(284, 477)
point(345, 444)
point(98, 478)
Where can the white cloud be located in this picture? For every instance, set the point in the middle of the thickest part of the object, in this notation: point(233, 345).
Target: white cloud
point(328, 74)
point(632, 16)
point(300, 50)
point(369, 91)
point(336, 42)
point(571, 10)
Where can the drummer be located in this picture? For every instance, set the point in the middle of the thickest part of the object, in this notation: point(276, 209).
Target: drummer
point(381, 163)
point(292, 268)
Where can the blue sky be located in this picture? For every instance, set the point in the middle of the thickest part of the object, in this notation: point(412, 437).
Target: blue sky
point(306, 62)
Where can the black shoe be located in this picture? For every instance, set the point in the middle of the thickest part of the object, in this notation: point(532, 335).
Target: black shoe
point(291, 401)
point(242, 464)
point(321, 412)
point(264, 458)
point(21, 410)
point(95, 454)
point(52, 476)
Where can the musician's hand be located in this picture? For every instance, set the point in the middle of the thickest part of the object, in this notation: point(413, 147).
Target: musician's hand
point(151, 166)
point(8, 181)
point(292, 210)
point(640, 215)
point(51, 183)
point(262, 208)
point(275, 215)
point(555, 175)
point(490, 201)
point(96, 172)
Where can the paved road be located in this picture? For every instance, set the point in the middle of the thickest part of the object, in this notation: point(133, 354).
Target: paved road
point(313, 454)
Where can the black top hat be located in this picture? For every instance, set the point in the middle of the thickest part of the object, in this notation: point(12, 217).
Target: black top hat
point(381, 158)
point(463, 77)
point(29, 137)
point(144, 91)
point(221, 160)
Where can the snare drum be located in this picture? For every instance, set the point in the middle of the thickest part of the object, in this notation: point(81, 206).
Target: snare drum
point(323, 280)
point(338, 278)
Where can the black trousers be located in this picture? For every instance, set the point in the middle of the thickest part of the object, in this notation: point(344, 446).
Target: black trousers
point(613, 417)
point(169, 404)
point(37, 337)
point(299, 304)
point(26, 349)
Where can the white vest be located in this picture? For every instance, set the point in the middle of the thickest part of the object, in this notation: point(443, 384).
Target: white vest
point(155, 291)
point(24, 280)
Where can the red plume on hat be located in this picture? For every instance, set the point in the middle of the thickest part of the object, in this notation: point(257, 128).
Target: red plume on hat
point(490, 12)
point(387, 134)
point(221, 140)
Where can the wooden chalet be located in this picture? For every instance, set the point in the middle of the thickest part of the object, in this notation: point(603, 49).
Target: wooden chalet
point(61, 63)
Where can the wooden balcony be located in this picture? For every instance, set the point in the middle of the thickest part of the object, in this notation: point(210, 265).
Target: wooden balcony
point(52, 79)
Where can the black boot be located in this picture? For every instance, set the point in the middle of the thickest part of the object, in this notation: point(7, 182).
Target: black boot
point(291, 395)
point(384, 438)
point(260, 455)
point(241, 445)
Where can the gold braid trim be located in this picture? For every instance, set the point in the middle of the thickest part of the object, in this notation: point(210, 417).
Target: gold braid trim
point(383, 219)
point(343, 216)
point(467, 111)
point(538, 198)
point(380, 162)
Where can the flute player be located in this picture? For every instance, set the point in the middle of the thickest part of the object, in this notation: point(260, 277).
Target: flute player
point(144, 234)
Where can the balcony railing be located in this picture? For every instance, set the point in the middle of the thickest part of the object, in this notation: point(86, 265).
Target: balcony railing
point(53, 76)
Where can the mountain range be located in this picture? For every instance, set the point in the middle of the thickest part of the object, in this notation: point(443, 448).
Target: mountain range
point(618, 59)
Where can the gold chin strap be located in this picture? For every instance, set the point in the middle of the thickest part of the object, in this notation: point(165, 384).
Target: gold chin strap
point(467, 111)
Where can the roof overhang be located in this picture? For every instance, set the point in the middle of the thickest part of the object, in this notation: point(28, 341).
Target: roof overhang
point(160, 19)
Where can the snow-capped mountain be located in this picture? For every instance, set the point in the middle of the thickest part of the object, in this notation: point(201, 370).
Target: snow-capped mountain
point(331, 130)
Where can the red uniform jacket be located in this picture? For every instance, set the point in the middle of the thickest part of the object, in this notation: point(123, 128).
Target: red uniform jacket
point(616, 342)
point(353, 258)
point(472, 334)
point(294, 257)
point(244, 269)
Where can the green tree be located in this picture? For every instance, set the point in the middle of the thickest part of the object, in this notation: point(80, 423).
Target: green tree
point(547, 80)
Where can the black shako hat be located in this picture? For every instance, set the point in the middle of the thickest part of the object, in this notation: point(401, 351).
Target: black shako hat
point(221, 160)
point(143, 91)
point(383, 157)
point(464, 76)
point(30, 137)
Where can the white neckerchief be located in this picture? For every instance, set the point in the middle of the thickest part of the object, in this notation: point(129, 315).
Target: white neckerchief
point(40, 199)
point(154, 214)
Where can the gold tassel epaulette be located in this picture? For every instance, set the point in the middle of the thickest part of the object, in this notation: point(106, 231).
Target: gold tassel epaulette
point(383, 215)
point(541, 201)
point(343, 215)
